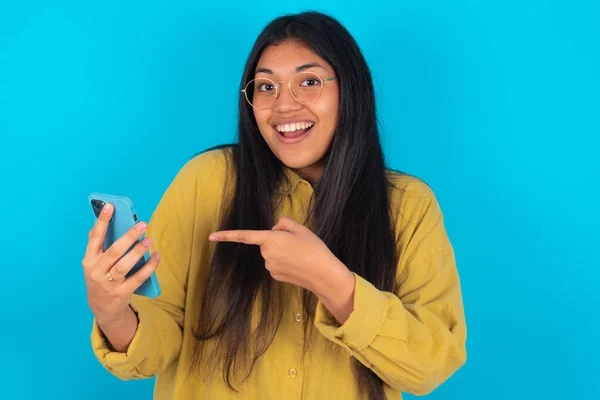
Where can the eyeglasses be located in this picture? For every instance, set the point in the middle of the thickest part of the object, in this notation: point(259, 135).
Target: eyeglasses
point(305, 87)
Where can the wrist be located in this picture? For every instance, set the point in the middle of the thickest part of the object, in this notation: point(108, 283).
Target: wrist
point(337, 286)
point(110, 321)
point(337, 294)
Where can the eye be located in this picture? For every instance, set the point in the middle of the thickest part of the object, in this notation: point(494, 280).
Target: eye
point(266, 87)
point(310, 82)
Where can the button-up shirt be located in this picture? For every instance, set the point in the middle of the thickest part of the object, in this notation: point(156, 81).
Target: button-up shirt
point(413, 339)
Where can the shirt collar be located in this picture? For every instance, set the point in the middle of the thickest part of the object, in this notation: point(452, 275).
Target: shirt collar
point(293, 180)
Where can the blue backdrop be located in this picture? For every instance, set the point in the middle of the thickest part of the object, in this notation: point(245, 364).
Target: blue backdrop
point(494, 103)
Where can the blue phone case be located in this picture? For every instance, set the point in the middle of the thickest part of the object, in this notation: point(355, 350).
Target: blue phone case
point(124, 217)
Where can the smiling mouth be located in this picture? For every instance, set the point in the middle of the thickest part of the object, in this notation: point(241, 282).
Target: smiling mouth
point(294, 130)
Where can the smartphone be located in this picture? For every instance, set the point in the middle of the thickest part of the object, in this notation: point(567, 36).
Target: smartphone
point(124, 218)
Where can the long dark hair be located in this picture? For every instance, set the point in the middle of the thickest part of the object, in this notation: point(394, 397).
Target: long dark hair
point(350, 210)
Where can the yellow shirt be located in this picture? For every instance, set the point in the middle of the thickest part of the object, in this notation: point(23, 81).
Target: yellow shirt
point(413, 339)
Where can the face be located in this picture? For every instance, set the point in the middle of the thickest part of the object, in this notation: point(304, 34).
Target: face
point(301, 149)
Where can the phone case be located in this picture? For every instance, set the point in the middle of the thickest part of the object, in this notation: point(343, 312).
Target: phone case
point(124, 218)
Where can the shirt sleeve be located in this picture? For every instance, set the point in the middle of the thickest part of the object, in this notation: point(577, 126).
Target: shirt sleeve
point(413, 339)
point(158, 339)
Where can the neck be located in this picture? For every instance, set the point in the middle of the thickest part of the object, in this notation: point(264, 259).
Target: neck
point(311, 174)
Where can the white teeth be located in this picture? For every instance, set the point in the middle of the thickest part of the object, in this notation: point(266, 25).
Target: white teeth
point(294, 126)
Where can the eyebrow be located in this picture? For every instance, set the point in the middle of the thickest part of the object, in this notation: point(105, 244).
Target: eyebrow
point(298, 69)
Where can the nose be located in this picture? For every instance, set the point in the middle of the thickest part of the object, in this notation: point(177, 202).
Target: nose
point(285, 102)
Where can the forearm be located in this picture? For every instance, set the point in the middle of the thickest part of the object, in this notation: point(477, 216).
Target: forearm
point(121, 331)
point(412, 346)
point(142, 343)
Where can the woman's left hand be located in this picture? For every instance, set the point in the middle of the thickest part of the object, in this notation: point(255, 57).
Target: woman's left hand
point(294, 254)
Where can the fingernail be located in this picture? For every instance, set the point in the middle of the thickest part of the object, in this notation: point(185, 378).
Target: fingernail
point(106, 208)
point(141, 226)
point(213, 238)
point(147, 242)
point(156, 256)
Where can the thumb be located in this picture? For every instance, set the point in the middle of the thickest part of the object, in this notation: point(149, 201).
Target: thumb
point(286, 224)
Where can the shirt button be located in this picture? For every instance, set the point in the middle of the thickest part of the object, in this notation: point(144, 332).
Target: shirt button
point(293, 372)
point(298, 317)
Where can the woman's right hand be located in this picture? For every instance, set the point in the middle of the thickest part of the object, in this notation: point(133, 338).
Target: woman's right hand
point(109, 291)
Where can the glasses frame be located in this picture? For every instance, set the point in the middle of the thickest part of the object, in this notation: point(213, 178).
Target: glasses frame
point(289, 85)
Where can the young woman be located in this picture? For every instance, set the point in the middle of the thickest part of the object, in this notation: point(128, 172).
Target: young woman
point(293, 264)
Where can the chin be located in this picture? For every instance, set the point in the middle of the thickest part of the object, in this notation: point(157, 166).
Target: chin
point(297, 160)
point(295, 163)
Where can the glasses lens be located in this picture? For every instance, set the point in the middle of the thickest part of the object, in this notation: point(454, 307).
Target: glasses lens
point(261, 93)
point(306, 87)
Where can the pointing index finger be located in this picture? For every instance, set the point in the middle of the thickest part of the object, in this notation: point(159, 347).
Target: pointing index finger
point(240, 236)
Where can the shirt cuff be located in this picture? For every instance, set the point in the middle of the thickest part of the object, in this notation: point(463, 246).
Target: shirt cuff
point(363, 324)
point(124, 363)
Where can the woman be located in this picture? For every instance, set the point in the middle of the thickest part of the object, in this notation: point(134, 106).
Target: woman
point(292, 264)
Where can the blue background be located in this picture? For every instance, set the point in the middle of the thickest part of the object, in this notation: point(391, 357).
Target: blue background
point(494, 103)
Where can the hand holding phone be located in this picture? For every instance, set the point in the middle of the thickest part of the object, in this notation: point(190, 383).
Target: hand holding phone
point(116, 262)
